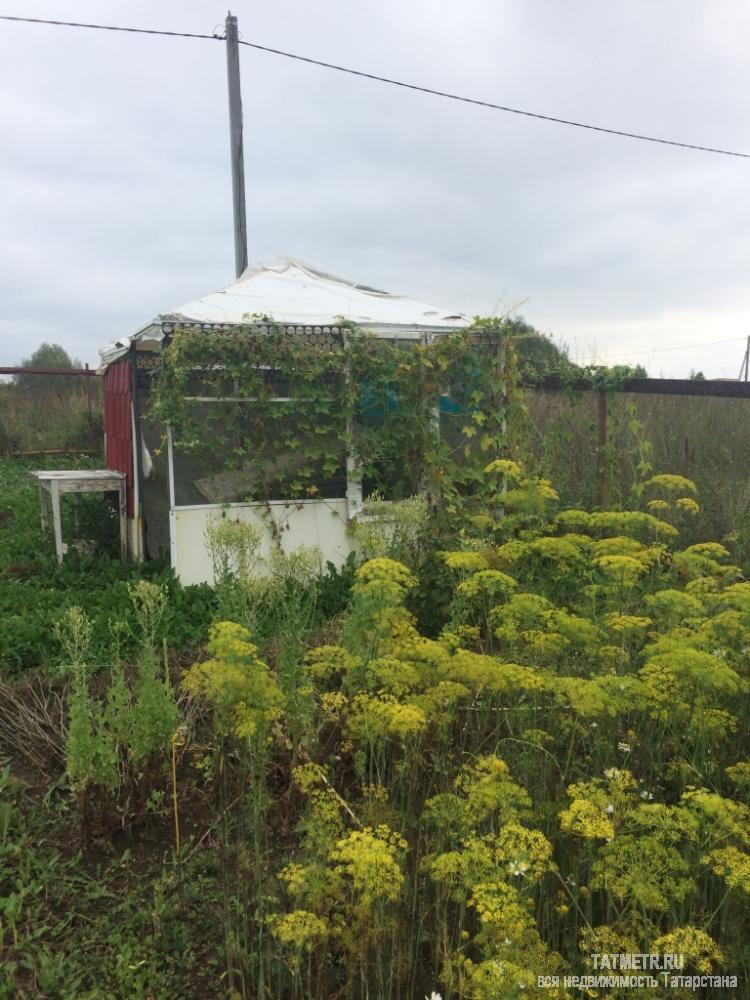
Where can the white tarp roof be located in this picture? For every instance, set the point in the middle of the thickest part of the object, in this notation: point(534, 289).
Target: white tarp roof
point(290, 292)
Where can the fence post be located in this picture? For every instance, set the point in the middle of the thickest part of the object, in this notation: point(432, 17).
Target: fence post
point(88, 399)
point(601, 448)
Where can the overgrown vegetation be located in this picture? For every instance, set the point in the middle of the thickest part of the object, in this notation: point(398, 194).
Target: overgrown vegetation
point(514, 734)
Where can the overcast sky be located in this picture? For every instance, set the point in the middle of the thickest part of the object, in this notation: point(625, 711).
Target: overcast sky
point(115, 198)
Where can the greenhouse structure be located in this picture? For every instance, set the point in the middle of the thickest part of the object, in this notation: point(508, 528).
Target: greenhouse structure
point(173, 494)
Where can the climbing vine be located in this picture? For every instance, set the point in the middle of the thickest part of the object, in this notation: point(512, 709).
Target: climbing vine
point(263, 413)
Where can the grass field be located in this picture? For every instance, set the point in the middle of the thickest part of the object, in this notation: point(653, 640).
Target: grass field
point(511, 739)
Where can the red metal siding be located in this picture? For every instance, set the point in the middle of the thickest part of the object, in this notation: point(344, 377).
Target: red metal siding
point(118, 426)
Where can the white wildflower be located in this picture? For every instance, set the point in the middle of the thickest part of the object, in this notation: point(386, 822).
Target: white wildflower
point(518, 867)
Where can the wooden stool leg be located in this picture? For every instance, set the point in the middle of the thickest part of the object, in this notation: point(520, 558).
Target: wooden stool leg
point(43, 506)
point(56, 522)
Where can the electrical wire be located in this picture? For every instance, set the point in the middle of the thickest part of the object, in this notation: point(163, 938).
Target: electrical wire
point(447, 95)
point(110, 27)
point(657, 350)
point(495, 107)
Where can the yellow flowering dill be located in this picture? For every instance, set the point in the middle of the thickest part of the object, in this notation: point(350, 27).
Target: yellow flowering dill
point(308, 776)
point(731, 865)
point(693, 668)
point(705, 586)
point(504, 467)
point(645, 871)
point(522, 612)
point(545, 647)
point(565, 551)
point(719, 819)
point(479, 672)
point(635, 523)
point(509, 553)
point(519, 852)
point(582, 634)
point(546, 490)
point(575, 520)
point(658, 505)
point(375, 717)
point(396, 676)
point(465, 562)
point(737, 595)
point(384, 576)
point(614, 658)
point(439, 702)
point(333, 703)
point(327, 662)
point(370, 862)
point(493, 978)
point(238, 685)
point(408, 645)
point(726, 630)
point(605, 940)
point(445, 816)
point(698, 949)
point(605, 696)
point(489, 584)
point(300, 930)
point(490, 792)
point(674, 606)
point(687, 504)
point(739, 774)
point(627, 624)
point(452, 870)
point(586, 819)
point(671, 484)
point(712, 723)
point(619, 545)
point(625, 571)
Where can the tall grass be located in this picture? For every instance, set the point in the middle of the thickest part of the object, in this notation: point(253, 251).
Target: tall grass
point(36, 420)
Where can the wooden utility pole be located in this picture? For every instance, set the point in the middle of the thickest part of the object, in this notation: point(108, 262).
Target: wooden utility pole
point(235, 141)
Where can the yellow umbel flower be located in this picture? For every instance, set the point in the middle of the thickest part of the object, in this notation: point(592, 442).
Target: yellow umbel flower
point(370, 862)
point(622, 570)
point(300, 930)
point(489, 584)
point(671, 484)
point(504, 467)
point(731, 865)
point(585, 819)
point(688, 505)
point(699, 951)
point(465, 562)
point(237, 684)
point(627, 624)
point(385, 578)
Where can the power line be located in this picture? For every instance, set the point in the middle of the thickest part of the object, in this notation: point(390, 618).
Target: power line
point(110, 27)
point(657, 350)
point(447, 95)
point(494, 107)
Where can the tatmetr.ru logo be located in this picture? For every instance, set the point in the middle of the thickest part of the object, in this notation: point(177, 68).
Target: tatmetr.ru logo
point(637, 962)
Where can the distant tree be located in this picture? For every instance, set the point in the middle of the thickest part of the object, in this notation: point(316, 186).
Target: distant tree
point(537, 354)
point(696, 376)
point(48, 356)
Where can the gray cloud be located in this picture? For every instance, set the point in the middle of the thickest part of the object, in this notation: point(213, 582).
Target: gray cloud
point(114, 179)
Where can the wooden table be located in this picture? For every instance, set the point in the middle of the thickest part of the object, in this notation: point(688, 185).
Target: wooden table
point(53, 483)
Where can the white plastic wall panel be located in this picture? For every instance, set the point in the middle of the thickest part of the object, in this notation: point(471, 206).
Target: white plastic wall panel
point(312, 523)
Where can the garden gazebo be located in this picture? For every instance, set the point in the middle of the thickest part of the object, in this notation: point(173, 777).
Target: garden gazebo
point(172, 492)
